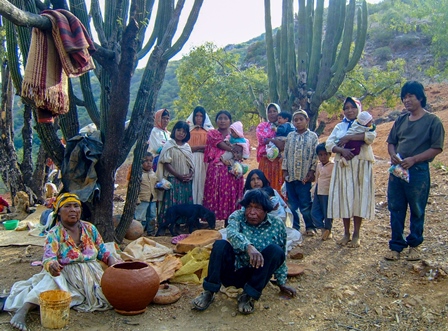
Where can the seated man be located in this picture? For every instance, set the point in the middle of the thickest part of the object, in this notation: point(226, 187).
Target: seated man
point(255, 251)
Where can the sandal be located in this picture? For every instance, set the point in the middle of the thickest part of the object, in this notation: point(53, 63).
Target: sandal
point(246, 304)
point(392, 256)
point(310, 233)
point(414, 254)
point(203, 301)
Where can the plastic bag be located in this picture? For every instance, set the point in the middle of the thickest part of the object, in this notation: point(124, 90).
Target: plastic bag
point(398, 171)
point(164, 184)
point(194, 267)
point(272, 151)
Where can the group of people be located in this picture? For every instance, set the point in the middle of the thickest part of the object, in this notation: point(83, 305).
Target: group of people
point(190, 158)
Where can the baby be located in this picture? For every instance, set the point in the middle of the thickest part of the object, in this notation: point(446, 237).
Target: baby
point(285, 126)
point(363, 123)
point(241, 150)
point(281, 132)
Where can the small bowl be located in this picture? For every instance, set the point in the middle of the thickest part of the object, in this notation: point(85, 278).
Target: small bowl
point(11, 224)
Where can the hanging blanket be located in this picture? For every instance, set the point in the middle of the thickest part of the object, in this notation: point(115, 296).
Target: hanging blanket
point(52, 57)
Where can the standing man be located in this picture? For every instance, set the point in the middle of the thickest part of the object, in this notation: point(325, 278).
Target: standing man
point(415, 139)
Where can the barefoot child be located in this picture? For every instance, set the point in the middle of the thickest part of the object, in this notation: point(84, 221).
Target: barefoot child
point(145, 212)
point(299, 165)
point(320, 202)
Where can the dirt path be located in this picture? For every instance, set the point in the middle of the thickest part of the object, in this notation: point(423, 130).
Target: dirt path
point(341, 289)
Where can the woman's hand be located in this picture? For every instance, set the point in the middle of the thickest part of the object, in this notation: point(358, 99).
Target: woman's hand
point(344, 140)
point(111, 260)
point(288, 290)
point(256, 259)
point(347, 154)
point(55, 268)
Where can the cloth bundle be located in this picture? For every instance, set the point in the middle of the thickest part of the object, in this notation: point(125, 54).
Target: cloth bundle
point(52, 58)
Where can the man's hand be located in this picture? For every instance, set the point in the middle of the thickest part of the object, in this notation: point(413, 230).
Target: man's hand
point(288, 290)
point(256, 259)
point(408, 162)
point(309, 177)
point(395, 159)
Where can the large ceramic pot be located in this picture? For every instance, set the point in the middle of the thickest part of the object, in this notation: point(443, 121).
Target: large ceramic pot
point(130, 286)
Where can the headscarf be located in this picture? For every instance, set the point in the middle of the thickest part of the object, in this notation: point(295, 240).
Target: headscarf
point(275, 105)
point(278, 111)
point(158, 118)
point(63, 199)
point(206, 124)
point(357, 104)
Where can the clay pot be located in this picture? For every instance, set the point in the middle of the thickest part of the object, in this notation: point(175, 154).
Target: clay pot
point(130, 286)
point(135, 230)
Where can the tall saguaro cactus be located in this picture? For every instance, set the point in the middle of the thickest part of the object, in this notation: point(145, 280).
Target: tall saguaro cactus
point(121, 29)
point(323, 50)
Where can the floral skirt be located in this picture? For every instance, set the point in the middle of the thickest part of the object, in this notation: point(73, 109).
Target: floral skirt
point(222, 191)
point(273, 172)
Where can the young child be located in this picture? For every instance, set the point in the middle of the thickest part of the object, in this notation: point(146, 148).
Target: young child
point(363, 123)
point(145, 212)
point(299, 165)
point(241, 150)
point(285, 126)
point(281, 209)
point(324, 170)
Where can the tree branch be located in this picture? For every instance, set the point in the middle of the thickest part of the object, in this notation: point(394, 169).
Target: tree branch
point(23, 18)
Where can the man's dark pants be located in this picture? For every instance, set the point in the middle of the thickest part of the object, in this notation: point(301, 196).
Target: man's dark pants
point(400, 194)
point(221, 269)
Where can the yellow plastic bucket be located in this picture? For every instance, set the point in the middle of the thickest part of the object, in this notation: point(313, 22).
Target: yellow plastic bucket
point(54, 308)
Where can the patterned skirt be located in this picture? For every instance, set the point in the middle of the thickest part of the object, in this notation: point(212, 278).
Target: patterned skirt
point(222, 191)
point(180, 193)
point(273, 172)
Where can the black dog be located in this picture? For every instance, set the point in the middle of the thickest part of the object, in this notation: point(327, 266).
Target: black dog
point(189, 211)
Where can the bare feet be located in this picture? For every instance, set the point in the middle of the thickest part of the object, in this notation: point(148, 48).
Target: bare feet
point(355, 243)
point(344, 241)
point(326, 234)
point(18, 320)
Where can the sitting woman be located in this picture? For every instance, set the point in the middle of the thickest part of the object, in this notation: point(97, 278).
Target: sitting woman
point(70, 263)
point(257, 179)
point(255, 251)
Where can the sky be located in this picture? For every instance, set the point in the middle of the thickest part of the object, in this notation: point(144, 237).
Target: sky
point(230, 22)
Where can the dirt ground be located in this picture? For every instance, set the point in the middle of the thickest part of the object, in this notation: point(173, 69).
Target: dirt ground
point(341, 289)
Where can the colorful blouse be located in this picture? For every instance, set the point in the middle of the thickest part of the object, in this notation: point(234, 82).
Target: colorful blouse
point(300, 154)
point(59, 246)
point(212, 153)
point(264, 130)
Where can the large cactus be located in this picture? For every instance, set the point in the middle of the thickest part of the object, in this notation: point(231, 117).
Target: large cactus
point(319, 67)
point(121, 27)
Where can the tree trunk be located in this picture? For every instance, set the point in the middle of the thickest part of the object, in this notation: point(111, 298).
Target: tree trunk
point(9, 167)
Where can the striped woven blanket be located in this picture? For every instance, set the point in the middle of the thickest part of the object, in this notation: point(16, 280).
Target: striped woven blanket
point(53, 57)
